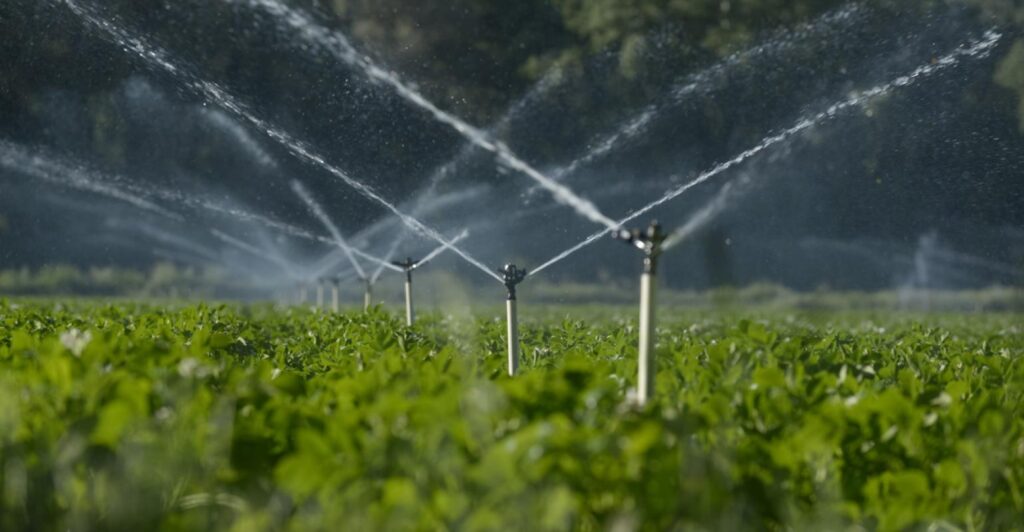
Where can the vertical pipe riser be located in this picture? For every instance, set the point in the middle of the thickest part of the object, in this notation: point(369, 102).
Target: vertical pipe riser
point(410, 316)
point(368, 297)
point(513, 338)
point(335, 299)
point(645, 379)
point(511, 277)
point(648, 241)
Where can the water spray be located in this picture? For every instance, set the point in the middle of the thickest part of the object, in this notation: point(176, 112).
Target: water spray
point(302, 290)
point(40, 164)
point(511, 277)
point(214, 94)
point(649, 242)
point(408, 265)
point(701, 82)
point(338, 45)
point(972, 49)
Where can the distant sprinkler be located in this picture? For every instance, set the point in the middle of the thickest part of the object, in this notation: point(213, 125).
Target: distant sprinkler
point(320, 293)
point(408, 265)
point(649, 242)
point(511, 277)
point(303, 294)
point(367, 294)
point(335, 294)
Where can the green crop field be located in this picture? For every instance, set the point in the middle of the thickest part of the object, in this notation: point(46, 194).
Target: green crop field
point(136, 418)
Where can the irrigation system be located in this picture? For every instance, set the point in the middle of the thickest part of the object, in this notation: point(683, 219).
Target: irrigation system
point(408, 265)
point(335, 294)
point(512, 276)
point(650, 241)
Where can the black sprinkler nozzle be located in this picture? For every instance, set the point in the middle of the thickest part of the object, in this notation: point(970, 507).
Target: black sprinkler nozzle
point(408, 264)
point(649, 241)
point(512, 276)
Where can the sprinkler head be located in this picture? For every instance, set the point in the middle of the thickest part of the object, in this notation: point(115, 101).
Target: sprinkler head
point(512, 276)
point(408, 264)
point(647, 240)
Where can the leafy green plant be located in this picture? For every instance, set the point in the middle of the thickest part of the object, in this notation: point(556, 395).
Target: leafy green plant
point(256, 418)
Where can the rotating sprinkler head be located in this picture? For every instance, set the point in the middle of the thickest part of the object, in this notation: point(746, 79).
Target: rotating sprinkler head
point(512, 276)
point(648, 241)
point(408, 264)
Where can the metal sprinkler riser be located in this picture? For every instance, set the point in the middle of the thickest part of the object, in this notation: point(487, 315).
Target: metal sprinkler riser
point(649, 242)
point(335, 294)
point(511, 277)
point(367, 294)
point(408, 265)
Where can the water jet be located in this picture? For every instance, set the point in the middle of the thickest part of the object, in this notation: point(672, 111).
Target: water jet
point(971, 49)
point(213, 93)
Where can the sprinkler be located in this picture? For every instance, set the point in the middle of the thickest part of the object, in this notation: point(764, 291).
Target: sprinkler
point(303, 294)
point(335, 294)
point(408, 265)
point(367, 294)
point(649, 242)
point(320, 294)
point(512, 276)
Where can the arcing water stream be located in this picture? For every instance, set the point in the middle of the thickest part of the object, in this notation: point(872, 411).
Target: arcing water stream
point(705, 214)
point(321, 215)
point(438, 250)
point(549, 81)
point(700, 81)
point(47, 166)
point(216, 95)
point(259, 253)
point(339, 46)
point(37, 164)
point(973, 49)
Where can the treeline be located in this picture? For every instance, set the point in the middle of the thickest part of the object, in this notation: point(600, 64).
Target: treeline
point(509, 45)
